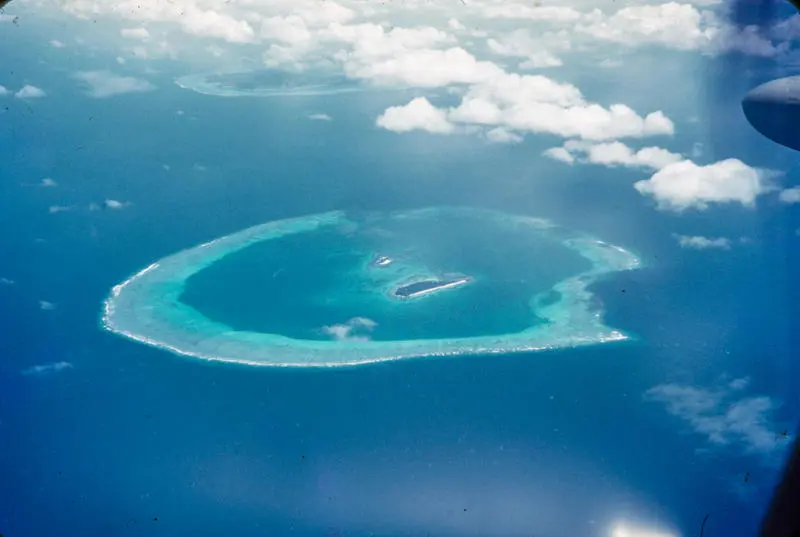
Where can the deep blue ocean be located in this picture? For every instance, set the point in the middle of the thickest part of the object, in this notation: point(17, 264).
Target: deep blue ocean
point(131, 440)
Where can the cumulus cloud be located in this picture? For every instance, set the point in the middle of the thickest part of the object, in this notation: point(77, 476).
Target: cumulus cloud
point(3, 91)
point(790, 195)
point(424, 68)
point(538, 104)
point(672, 24)
point(354, 48)
point(617, 153)
point(614, 154)
point(55, 43)
point(560, 154)
point(356, 329)
point(370, 40)
point(536, 51)
point(530, 103)
point(698, 242)
point(102, 84)
point(6, 281)
point(512, 10)
point(54, 209)
point(724, 416)
point(48, 182)
point(419, 114)
point(294, 29)
point(46, 306)
point(455, 24)
point(29, 92)
point(46, 369)
point(685, 185)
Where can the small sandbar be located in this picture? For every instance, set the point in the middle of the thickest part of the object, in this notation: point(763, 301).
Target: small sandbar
point(427, 287)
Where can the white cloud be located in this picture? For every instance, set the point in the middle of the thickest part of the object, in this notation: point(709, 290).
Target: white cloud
point(424, 68)
point(560, 154)
point(114, 204)
point(619, 154)
point(515, 11)
point(44, 369)
point(135, 33)
point(587, 121)
point(537, 51)
point(46, 306)
point(353, 48)
point(57, 44)
point(703, 243)
point(213, 24)
point(503, 136)
point(320, 117)
point(535, 103)
point(48, 182)
point(790, 195)
point(675, 25)
point(102, 84)
point(29, 92)
point(3, 91)
point(685, 185)
point(53, 209)
point(6, 281)
point(722, 416)
point(356, 329)
point(419, 114)
point(370, 40)
point(455, 24)
point(225, 22)
point(291, 29)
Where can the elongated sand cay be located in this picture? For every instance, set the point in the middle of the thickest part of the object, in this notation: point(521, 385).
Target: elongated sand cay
point(147, 307)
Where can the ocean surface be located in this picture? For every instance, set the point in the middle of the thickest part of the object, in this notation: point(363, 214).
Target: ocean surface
point(128, 440)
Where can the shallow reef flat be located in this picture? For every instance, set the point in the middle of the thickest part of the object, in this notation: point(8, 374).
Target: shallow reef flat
point(147, 306)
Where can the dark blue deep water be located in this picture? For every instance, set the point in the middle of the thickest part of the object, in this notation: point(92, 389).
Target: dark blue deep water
point(133, 441)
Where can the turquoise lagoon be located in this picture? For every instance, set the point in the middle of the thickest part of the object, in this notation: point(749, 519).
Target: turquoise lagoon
point(342, 288)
